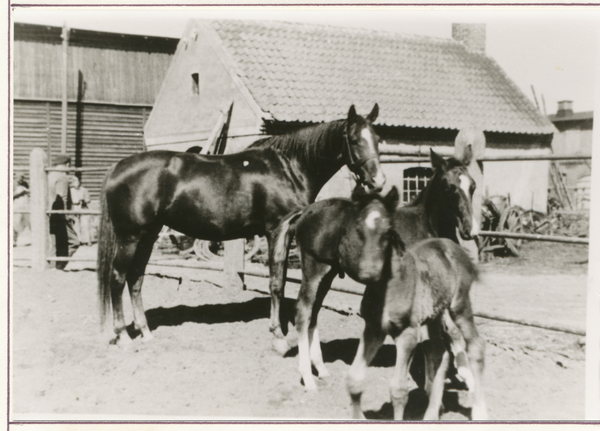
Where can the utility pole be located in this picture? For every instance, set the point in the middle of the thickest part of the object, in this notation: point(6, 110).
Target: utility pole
point(65, 46)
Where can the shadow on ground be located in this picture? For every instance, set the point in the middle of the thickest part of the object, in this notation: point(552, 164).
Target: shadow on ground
point(257, 308)
point(416, 407)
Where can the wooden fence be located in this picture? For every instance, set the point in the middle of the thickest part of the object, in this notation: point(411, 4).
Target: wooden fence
point(234, 263)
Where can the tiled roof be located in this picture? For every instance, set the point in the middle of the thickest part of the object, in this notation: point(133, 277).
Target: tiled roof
point(313, 73)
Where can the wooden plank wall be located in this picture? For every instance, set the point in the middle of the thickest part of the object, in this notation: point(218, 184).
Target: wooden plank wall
point(109, 76)
point(97, 135)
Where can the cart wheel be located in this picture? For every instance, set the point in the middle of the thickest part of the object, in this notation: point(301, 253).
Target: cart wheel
point(535, 222)
point(511, 221)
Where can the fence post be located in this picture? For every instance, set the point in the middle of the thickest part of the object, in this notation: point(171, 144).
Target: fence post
point(474, 137)
point(234, 263)
point(38, 188)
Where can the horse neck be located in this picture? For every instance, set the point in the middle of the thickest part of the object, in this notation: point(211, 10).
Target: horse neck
point(317, 152)
point(440, 221)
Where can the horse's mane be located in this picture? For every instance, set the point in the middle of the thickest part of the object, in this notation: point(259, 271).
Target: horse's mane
point(307, 144)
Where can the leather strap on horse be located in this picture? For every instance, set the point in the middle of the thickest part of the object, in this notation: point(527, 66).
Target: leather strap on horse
point(355, 165)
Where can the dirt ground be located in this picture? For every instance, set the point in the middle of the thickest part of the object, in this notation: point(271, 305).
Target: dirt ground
point(211, 355)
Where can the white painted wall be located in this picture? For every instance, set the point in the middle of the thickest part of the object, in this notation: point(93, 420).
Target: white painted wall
point(525, 181)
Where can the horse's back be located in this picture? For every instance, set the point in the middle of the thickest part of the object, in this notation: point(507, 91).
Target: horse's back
point(409, 222)
point(320, 227)
point(446, 273)
point(431, 276)
point(212, 197)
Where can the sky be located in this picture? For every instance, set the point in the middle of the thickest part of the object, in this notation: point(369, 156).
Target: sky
point(553, 51)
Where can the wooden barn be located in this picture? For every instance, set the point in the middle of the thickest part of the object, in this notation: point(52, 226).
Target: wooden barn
point(282, 76)
point(112, 81)
point(574, 138)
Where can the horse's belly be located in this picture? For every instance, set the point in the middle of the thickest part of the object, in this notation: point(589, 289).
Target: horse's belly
point(216, 227)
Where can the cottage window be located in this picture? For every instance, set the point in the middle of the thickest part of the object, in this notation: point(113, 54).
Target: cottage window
point(195, 84)
point(415, 180)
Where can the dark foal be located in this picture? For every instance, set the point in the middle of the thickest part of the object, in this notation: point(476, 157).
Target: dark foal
point(337, 236)
point(426, 285)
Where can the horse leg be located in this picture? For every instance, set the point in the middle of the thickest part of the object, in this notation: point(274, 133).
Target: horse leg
point(437, 360)
point(123, 257)
point(463, 317)
point(406, 343)
point(458, 347)
point(277, 274)
point(371, 340)
point(316, 356)
point(313, 273)
point(135, 278)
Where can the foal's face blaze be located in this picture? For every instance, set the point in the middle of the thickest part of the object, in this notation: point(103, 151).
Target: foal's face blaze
point(366, 243)
point(461, 187)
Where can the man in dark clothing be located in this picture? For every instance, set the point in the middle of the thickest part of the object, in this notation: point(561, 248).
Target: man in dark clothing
point(65, 241)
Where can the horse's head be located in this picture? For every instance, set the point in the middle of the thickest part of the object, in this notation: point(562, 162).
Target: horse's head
point(362, 152)
point(456, 190)
point(366, 242)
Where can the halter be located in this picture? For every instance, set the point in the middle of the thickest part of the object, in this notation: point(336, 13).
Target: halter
point(355, 165)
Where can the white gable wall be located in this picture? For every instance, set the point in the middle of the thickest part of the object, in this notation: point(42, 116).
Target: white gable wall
point(184, 115)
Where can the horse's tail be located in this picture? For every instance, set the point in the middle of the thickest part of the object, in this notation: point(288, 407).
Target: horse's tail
point(107, 245)
point(283, 235)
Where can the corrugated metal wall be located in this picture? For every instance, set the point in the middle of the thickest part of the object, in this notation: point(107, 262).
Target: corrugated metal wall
point(97, 135)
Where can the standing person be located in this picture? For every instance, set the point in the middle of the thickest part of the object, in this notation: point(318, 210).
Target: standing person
point(20, 203)
point(80, 197)
point(64, 237)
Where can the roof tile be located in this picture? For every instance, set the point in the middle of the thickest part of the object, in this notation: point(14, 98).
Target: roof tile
point(312, 73)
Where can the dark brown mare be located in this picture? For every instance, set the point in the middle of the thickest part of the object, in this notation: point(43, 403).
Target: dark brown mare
point(337, 236)
point(427, 284)
point(219, 198)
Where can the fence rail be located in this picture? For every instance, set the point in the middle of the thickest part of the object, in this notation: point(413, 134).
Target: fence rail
point(417, 156)
point(534, 237)
point(232, 263)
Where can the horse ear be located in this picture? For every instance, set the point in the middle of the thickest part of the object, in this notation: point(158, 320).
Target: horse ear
point(374, 113)
point(352, 114)
point(391, 199)
point(436, 161)
point(467, 155)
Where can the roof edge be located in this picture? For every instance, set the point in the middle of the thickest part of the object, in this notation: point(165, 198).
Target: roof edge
point(207, 31)
point(95, 39)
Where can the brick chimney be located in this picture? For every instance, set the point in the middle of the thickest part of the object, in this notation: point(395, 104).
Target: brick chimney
point(565, 108)
point(471, 35)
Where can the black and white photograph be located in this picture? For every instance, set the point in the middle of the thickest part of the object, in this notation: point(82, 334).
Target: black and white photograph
point(302, 214)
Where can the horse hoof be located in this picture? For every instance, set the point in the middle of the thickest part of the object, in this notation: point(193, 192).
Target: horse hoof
point(147, 337)
point(310, 387)
point(323, 373)
point(123, 340)
point(280, 345)
point(466, 376)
